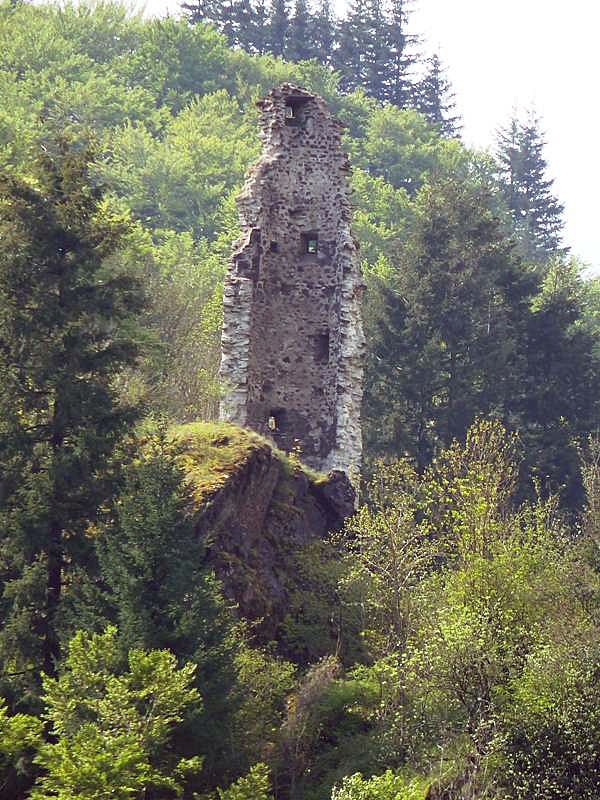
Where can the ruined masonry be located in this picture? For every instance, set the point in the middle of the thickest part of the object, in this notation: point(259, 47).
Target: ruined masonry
point(293, 344)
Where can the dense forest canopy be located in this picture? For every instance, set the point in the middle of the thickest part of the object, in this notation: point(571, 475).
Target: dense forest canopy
point(446, 643)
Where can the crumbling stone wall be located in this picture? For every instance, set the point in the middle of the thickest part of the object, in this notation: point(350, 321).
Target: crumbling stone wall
point(293, 345)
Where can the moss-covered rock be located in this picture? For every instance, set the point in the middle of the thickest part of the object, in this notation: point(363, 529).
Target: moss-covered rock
point(254, 505)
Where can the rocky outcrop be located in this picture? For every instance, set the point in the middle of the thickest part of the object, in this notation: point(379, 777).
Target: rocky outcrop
point(255, 506)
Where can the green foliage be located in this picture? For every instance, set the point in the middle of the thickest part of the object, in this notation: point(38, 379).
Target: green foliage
point(175, 62)
point(382, 787)
point(589, 456)
point(150, 557)
point(180, 181)
point(474, 661)
point(66, 332)
point(177, 375)
point(112, 723)
point(551, 732)
point(562, 380)
point(467, 624)
point(468, 491)
point(435, 98)
point(404, 149)
point(537, 213)
point(20, 735)
point(369, 48)
point(263, 684)
point(321, 618)
point(387, 554)
point(455, 298)
point(253, 786)
point(381, 217)
point(309, 713)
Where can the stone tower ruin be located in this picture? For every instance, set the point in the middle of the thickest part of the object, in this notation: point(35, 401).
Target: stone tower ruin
point(293, 344)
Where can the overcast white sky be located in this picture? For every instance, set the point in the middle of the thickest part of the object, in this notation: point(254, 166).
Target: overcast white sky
point(518, 54)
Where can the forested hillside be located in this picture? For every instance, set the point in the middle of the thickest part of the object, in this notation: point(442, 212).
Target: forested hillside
point(446, 642)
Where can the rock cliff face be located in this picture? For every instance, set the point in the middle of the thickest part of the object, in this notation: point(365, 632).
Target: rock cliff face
point(255, 506)
point(293, 345)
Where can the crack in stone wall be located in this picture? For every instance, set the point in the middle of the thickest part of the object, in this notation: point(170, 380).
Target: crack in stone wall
point(293, 344)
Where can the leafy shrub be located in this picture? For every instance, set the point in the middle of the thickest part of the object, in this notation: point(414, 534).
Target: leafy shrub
point(111, 724)
point(388, 786)
point(253, 786)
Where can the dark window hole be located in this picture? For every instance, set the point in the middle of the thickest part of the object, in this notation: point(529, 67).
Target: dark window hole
point(310, 243)
point(293, 110)
point(276, 420)
point(321, 347)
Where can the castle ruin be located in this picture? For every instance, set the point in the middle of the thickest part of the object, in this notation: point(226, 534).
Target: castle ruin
point(293, 344)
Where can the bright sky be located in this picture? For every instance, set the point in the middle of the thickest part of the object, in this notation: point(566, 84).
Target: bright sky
point(505, 54)
point(519, 54)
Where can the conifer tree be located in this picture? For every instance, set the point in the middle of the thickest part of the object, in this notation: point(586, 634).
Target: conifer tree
point(448, 341)
point(63, 338)
point(323, 33)
point(226, 18)
point(559, 401)
point(300, 46)
point(522, 168)
point(435, 99)
point(279, 22)
point(258, 30)
point(376, 51)
point(233, 18)
point(398, 84)
point(163, 595)
point(243, 21)
point(150, 556)
point(354, 40)
point(202, 10)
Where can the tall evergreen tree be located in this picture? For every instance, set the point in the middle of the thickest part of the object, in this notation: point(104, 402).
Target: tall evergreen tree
point(163, 595)
point(376, 51)
point(354, 39)
point(226, 19)
point(435, 99)
point(233, 18)
point(447, 342)
point(150, 556)
point(559, 403)
point(202, 10)
point(300, 45)
point(401, 59)
point(243, 24)
point(323, 33)
point(258, 32)
point(279, 22)
point(64, 321)
point(522, 168)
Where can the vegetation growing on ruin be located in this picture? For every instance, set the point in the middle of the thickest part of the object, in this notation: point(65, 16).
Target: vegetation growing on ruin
point(212, 452)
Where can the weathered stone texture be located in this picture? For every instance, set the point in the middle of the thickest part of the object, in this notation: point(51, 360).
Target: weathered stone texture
point(260, 511)
point(292, 348)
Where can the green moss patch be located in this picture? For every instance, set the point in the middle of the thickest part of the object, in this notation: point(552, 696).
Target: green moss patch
point(211, 452)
